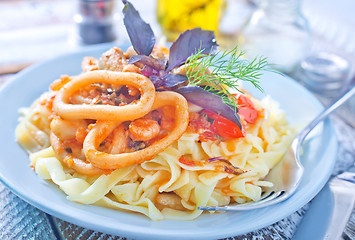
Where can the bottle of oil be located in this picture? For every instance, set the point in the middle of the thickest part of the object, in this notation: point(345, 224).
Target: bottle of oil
point(176, 16)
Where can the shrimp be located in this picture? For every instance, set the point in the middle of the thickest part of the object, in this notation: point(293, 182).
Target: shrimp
point(66, 138)
point(143, 129)
point(68, 157)
point(67, 129)
point(103, 128)
point(119, 141)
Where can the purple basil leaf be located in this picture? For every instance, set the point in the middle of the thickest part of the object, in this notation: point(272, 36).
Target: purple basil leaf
point(152, 66)
point(188, 43)
point(149, 71)
point(139, 32)
point(210, 101)
point(172, 80)
point(167, 81)
point(156, 80)
point(157, 64)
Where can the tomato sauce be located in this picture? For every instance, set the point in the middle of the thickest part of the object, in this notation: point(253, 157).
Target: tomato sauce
point(211, 126)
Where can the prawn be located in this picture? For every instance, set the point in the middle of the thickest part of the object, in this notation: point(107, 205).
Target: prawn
point(73, 162)
point(143, 129)
point(119, 141)
point(113, 161)
point(67, 129)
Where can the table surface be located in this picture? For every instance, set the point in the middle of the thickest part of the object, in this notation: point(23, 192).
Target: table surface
point(45, 30)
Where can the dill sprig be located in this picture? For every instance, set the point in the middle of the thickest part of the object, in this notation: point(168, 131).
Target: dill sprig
point(221, 73)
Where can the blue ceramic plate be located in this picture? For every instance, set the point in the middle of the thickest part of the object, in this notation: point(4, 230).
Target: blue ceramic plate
point(299, 105)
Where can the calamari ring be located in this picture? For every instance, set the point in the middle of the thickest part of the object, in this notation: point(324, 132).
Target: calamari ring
point(113, 161)
point(105, 112)
point(80, 166)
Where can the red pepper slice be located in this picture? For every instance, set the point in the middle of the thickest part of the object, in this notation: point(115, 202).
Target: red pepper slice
point(223, 127)
point(226, 129)
point(247, 109)
point(186, 161)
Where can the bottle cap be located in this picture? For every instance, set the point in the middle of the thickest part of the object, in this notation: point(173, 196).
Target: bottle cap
point(95, 21)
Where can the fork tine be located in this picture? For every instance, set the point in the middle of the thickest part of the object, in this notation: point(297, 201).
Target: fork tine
point(270, 194)
point(246, 206)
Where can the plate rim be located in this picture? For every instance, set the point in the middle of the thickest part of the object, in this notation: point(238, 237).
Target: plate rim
point(133, 231)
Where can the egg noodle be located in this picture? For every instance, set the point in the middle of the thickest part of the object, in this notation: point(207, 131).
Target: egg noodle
point(106, 137)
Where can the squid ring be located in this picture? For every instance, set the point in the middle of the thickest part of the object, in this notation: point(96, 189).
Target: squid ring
point(80, 166)
point(105, 112)
point(113, 161)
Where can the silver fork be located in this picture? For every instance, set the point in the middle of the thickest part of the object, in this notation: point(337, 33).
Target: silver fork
point(285, 184)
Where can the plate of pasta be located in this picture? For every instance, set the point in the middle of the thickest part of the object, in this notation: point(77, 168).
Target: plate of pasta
point(131, 140)
point(80, 205)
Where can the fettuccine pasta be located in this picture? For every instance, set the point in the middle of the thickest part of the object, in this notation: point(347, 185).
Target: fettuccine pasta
point(107, 137)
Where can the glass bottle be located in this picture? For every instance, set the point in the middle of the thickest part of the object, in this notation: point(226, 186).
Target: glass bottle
point(176, 16)
point(277, 30)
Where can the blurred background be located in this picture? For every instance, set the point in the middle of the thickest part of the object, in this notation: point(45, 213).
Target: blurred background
point(313, 41)
point(31, 30)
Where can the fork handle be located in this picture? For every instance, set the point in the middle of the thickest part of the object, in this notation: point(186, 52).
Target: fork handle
point(337, 103)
